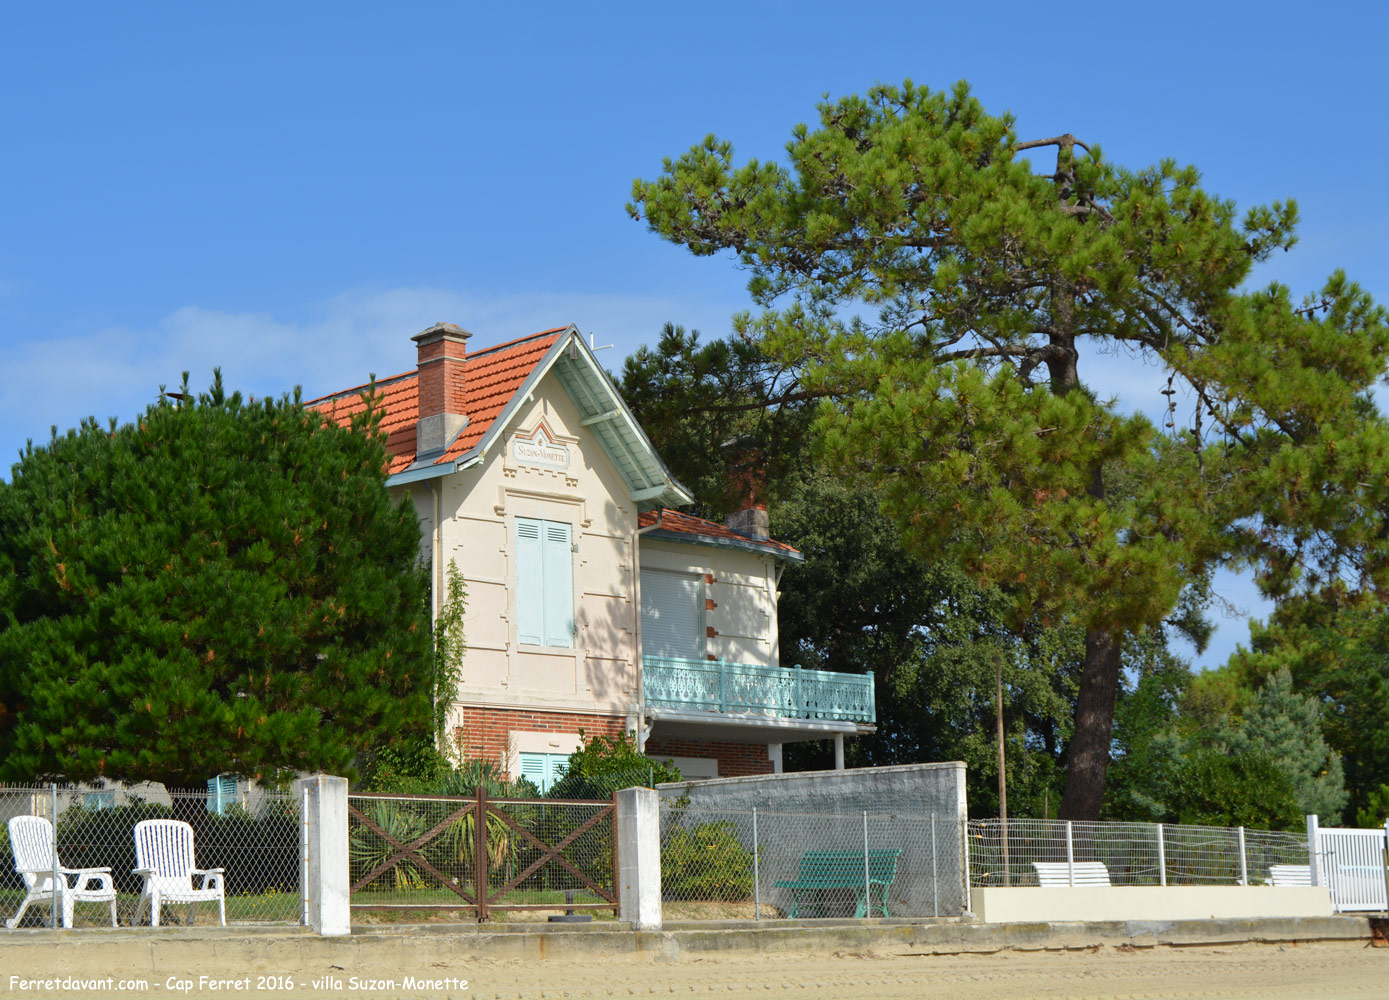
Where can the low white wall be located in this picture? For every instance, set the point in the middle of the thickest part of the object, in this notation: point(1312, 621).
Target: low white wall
point(998, 905)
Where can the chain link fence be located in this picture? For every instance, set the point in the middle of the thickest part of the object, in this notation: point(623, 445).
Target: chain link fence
point(1004, 852)
point(423, 853)
point(775, 863)
point(253, 835)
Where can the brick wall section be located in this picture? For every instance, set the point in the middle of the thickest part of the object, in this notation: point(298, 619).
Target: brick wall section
point(482, 733)
point(736, 760)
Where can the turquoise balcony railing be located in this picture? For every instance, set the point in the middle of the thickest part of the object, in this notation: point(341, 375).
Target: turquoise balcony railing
point(786, 692)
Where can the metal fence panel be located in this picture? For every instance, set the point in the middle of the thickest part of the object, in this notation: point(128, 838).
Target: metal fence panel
point(423, 852)
point(1003, 852)
point(762, 863)
point(254, 838)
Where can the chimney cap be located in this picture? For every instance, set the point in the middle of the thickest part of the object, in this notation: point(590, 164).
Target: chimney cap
point(439, 331)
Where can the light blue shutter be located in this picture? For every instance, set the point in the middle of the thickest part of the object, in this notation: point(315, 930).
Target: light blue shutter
point(671, 615)
point(533, 768)
point(221, 794)
point(530, 583)
point(559, 586)
point(544, 769)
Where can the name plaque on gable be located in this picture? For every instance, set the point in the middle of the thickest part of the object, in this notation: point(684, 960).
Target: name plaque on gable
point(540, 452)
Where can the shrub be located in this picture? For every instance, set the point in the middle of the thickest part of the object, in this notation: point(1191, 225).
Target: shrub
point(706, 862)
point(603, 765)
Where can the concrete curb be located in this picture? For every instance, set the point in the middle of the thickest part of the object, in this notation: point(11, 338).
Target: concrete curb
point(141, 951)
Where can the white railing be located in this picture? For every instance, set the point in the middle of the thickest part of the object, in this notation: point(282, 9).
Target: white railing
point(787, 692)
point(1351, 863)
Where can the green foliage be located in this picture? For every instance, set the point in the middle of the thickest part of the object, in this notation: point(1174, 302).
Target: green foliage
point(710, 408)
point(1376, 813)
point(449, 647)
point(1285, 727)
point(1242, 789)
point(964, 403)
point(220, 587)
point(706, 862)
point(1208, 750)
point(603, 765)
point(401, 763)
point(1335, 645)
point(367, 849)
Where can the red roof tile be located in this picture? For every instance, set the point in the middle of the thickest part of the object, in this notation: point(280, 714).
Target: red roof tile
point(677, 523)
point(491, 377)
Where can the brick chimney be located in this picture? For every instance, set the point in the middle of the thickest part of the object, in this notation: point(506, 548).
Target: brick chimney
point(442, 351)
point(748, 479)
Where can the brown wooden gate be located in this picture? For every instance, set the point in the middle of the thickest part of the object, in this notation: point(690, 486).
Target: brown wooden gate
point(425, 852)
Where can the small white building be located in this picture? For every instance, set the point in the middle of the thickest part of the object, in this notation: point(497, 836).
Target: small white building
point(591, 602)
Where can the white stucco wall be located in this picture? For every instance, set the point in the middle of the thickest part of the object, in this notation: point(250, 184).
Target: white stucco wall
point(743, 592)
point(997, 905)
point(478, 510)
point(479, 507)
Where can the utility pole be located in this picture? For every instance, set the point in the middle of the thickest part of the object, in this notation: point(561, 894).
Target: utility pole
point(1002, 762)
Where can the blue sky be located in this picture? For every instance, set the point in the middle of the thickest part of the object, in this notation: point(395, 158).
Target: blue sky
point(290, 191)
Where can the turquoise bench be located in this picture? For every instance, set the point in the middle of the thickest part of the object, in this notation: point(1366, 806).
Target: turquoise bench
point(822, 870)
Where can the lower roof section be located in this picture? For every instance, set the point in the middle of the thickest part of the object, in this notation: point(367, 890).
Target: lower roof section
point(749, 727)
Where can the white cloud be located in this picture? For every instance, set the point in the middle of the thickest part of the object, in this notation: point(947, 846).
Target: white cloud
point(117, 371)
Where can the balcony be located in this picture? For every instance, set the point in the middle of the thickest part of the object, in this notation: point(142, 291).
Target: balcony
point(747, 688)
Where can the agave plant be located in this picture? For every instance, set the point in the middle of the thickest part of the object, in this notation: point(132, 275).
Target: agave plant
point(367, 849)
point(459, 837)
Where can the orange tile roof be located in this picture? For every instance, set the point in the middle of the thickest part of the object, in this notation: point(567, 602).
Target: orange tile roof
point(491, 377)
point(678, 523)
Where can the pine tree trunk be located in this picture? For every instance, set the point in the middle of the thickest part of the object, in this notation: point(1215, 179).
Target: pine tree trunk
point(1099, 678)
point(1089, 758)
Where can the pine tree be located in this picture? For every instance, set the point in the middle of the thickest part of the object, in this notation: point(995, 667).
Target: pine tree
point(222, 586)
point(964, 401)
point(1286, 727)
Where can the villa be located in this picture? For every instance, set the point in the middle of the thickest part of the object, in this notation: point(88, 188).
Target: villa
point(592, 604)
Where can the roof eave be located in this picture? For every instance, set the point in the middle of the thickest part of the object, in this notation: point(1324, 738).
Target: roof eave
point(743, 545)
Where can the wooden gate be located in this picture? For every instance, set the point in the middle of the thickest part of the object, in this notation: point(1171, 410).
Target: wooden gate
point(426, 852)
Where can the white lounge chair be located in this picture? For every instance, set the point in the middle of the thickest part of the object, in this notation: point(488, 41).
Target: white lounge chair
point(164, 856)
point(1290, 874)
point(31, 842)
point(1079, 873)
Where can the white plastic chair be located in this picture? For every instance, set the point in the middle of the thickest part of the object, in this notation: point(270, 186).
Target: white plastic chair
point(31, 842)
point(164, 856)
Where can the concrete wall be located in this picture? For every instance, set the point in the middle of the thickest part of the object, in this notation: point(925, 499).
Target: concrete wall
point(997, 905)
point(824, 810)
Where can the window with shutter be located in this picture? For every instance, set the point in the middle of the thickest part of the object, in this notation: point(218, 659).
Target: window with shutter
point(672, 614)
point(543, 769)
point(99, 800)
point(221, 794)
point(544, 583)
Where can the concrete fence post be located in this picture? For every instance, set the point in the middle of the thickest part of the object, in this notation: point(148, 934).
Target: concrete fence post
point(324, 830)
point(639, 857)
